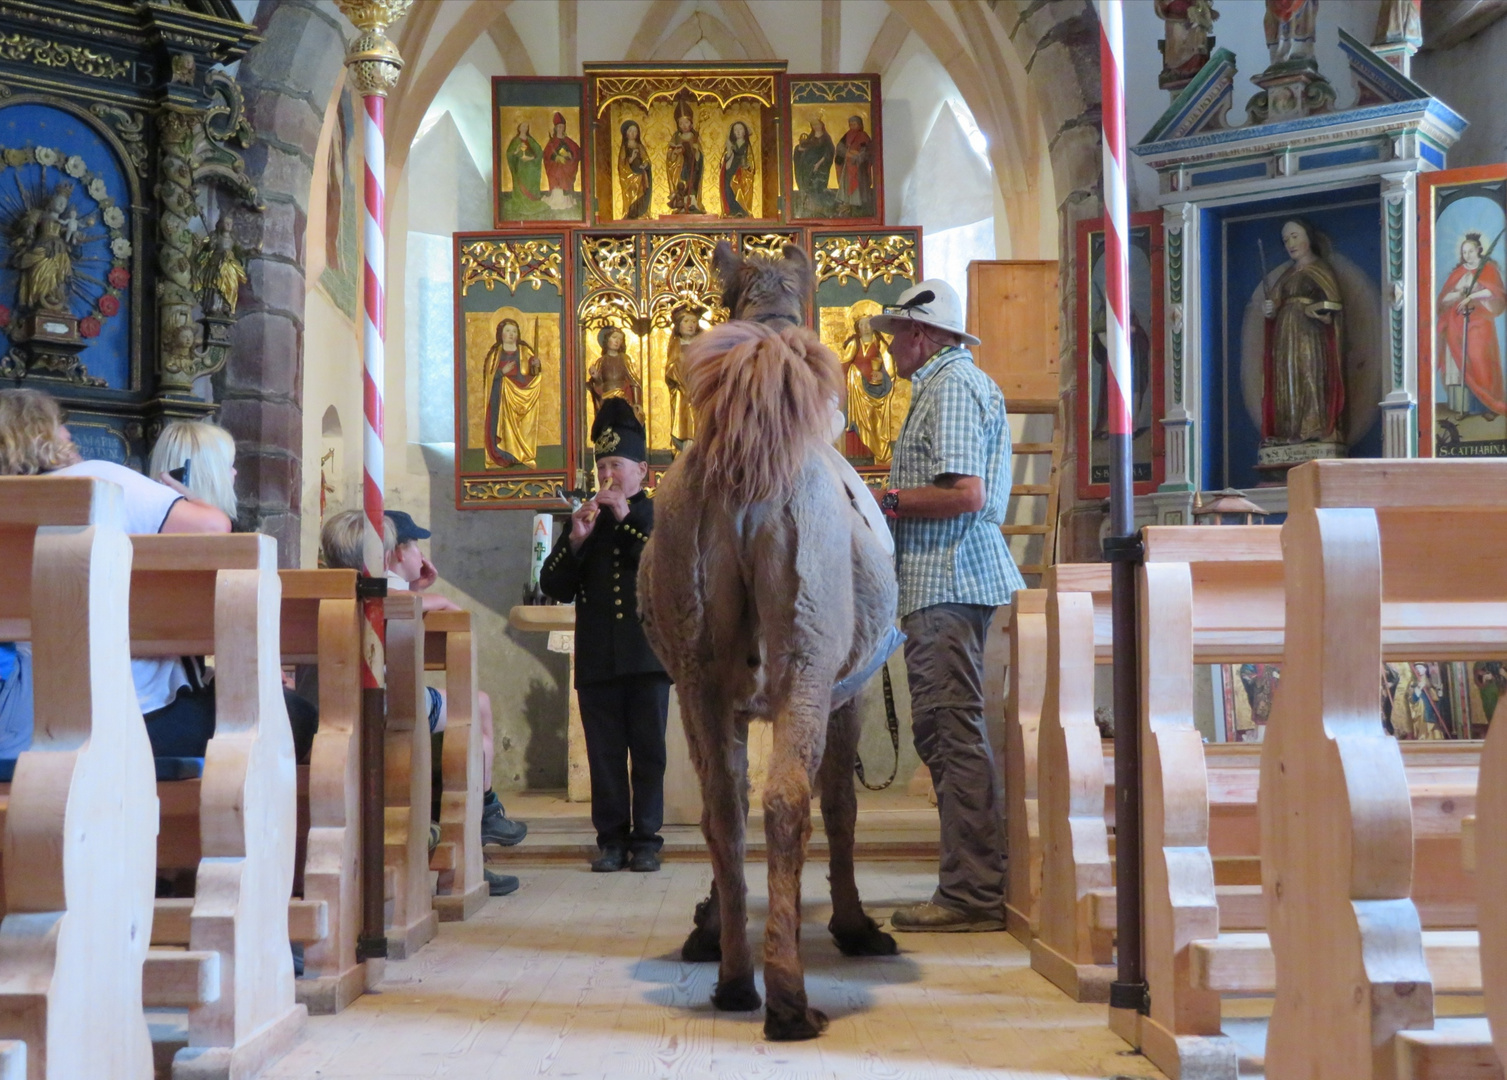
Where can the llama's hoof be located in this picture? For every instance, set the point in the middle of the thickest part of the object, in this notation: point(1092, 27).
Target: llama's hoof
point(866, 940)
point(792, 1024)
point(737, 995)
point(702, 947)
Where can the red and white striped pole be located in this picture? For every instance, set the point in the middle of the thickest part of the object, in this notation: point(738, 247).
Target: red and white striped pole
point(1121, 547)
point(374, 65)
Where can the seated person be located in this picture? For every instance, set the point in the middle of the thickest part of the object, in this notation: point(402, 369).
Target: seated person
point(407, 568)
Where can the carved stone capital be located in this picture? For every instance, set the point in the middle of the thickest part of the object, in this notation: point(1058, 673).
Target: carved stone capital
point(374, 60)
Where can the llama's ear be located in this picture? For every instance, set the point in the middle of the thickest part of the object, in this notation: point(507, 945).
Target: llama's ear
point(795, 259)
point(726, 262)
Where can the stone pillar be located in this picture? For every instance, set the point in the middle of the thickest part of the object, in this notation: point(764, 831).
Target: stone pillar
point(1399, 408)
point(1181, 297)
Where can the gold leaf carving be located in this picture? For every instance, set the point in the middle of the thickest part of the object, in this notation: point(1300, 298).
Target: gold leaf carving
point(610, 262)
point(56, 55)
point(771, 244)
point(510, 263)
point(865, 258)
point(501, 490)
point(645, 89)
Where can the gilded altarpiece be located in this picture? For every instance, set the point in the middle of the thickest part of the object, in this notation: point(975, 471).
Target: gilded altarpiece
point(552, 321)
point(515, 390)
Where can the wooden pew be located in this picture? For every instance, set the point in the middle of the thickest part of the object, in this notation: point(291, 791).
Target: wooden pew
point(1073, 775)
point(321, 624)
point(73, 941)
point(247, 796)
point(1490, 867)
point(1412, 547)
point(413, 921)
point(450, 647)
point(1028, 671)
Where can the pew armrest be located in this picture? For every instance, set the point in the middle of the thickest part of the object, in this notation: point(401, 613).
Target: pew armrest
point(176, 979)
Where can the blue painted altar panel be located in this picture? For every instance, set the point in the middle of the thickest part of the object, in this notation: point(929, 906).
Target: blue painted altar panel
point(1350, 220)
point(23, 126)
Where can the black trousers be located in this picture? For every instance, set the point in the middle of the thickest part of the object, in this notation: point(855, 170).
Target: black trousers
point(184, 726)
point(624, 718)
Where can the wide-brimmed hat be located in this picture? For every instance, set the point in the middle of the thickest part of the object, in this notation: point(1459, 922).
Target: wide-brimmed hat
point(932, 302)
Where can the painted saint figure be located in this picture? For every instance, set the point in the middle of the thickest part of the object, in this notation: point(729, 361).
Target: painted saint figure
point(611, 374)
point(870, 377)
point(1290, 29)
point(684, 161)
point(635, 174)
point(811, 168)
point(1303, 378)
point(511, 374)
point(738, 172)
point(562, 160)
point(855, 170)
point(1469, 360)
point(1186, 48)
point(45, 252)
point(525, 161)
point(685, 325)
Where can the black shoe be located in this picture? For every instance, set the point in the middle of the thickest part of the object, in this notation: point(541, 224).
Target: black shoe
point(497, 828)
point(500, 884)
point(644, 861)
point(610, 861)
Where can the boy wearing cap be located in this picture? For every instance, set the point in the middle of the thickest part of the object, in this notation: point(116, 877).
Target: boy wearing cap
point(950, 481)
point(621, 685)
point(408, 568)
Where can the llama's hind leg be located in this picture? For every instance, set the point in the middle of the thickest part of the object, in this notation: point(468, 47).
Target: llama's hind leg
point(855, 933)
point(722, 762)
point(798, 738)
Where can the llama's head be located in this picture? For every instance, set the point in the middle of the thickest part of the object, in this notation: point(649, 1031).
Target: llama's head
point(762, 287)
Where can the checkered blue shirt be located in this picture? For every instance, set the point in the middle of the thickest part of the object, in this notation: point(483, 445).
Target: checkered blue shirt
point(956, 424)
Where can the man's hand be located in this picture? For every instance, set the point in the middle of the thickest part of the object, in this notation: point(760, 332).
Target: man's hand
point(613, 499)
point(581, 524)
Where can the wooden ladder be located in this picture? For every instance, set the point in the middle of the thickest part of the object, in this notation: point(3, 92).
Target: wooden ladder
point(1046, 526)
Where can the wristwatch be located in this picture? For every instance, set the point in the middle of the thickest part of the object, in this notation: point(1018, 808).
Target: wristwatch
point(889, 505)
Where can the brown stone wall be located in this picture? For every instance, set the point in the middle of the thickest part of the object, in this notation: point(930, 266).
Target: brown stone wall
point(288, 80)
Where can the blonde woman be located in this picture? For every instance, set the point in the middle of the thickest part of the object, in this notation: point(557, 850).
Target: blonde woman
point(209, 452)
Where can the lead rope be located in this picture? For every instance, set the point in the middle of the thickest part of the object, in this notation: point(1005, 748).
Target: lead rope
point(892, 722)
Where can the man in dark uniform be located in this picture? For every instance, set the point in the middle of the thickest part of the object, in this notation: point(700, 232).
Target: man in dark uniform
point(622, 687)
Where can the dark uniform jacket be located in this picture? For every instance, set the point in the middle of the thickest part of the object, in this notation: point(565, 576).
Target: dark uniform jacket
point(602, 579)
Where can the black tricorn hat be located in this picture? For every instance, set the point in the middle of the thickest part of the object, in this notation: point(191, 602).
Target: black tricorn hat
point(618, 432)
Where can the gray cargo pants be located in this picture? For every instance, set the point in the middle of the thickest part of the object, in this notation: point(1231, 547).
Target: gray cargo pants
point(944, 660)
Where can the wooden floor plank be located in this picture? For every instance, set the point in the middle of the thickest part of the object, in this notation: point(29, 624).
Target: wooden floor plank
point(578, 975)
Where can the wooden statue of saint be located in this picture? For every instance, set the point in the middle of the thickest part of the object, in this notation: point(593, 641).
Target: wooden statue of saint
point(512, 376)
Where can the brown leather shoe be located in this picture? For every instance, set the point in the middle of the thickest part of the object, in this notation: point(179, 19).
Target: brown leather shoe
point(927, 917)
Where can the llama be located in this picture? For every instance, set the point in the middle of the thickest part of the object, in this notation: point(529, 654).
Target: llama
point(764, 584)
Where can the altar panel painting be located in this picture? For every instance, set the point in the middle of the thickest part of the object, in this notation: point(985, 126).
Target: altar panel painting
point(675, 147)
point(857, 274)
point(1145, 355)
point(1295, 368)
point(1463, 313)
point(513, 387)
point(539, 152)
point(835, 159)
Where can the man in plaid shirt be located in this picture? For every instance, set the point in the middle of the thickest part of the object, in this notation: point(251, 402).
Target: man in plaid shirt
point(950, 480)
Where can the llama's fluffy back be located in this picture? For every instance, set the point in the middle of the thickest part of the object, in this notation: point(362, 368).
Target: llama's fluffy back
point(760, 396)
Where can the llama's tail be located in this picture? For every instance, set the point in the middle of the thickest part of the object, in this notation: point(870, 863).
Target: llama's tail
point(759, 396)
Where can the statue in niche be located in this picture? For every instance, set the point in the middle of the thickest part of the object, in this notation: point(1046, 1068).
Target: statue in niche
point(684, 160)
point(1472, 298)
point(525, 162)
point(45, 240)
point(512, 375)
point(685, 326)
point(1399, 22)
point(738, 172)
point(1290, 30)
point(219, 270)
point(611, 374)
point(1303, 398)
point(562, 160)
point(855, 171)
point(1189, 41)
point(870, 377)
point(634, 172)
point(811, 168)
